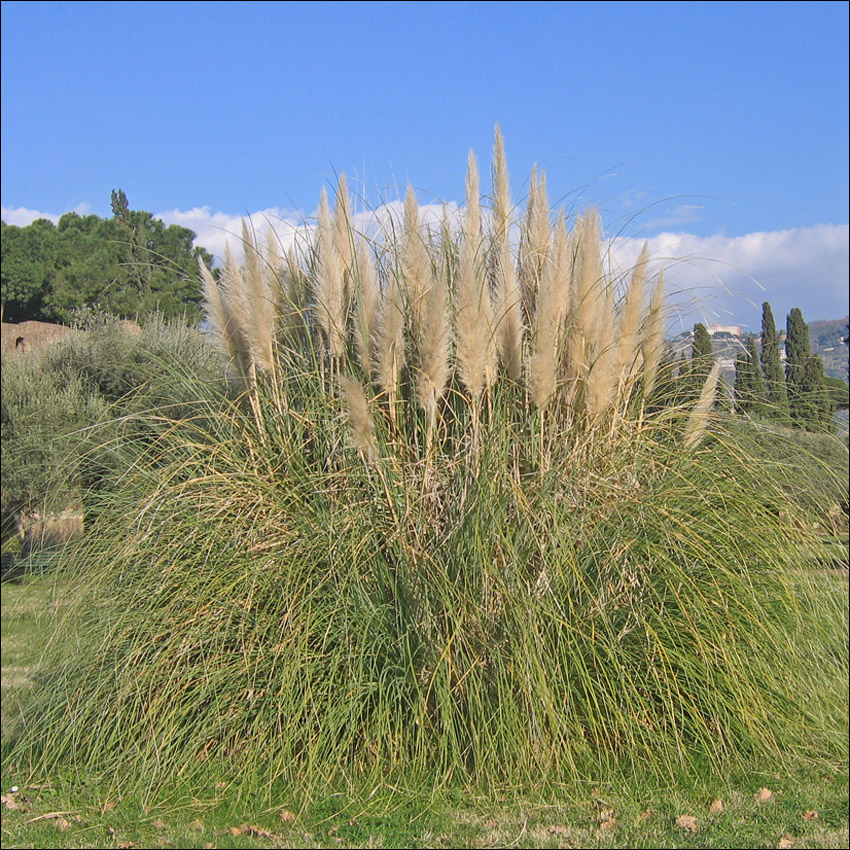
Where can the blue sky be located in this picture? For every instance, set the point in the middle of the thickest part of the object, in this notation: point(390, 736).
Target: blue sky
point(718, 131)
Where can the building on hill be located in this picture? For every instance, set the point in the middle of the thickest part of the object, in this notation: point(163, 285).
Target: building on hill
point(733, 330)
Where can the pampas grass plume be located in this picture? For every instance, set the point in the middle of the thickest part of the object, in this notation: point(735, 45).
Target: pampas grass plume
point(698, 420)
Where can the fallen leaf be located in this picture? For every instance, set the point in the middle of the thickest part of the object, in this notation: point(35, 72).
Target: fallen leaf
point(716, 807)
point(107, 807)
point(126, 845)
point(61, 824)
point(158, 824)
point(286, 816)
point(9, 801)
point(646, 814)
point(763, 795)
point(248, 829)
point(606, 814)
point(785, 842)
point(688, 822)
point(609, 824)
point(810, 815)
point(557, 830)
point(259, 831)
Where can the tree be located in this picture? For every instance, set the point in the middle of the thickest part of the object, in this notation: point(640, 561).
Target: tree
point(810, 402)
point(693, 372)
point(702, 353)
point(28, 262)
point(127, 265)
point(816, 399)
point(839, 392)
point(750, 390)
point(771, 364)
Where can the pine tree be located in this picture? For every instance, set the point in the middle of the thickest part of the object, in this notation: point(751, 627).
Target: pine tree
point(771, 364)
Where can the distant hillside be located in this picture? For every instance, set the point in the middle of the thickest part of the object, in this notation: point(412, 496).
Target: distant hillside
point(826, 338)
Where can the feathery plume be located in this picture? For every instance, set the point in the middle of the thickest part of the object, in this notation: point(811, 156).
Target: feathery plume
point(415, 266)
point(653, 336)
point(359, 418)
point(551, 300)
point(328, 283)
point(343, 234)
point(629, 342)
point(507, 297)
point(473, 310)
point(214, 309)
point(236, 320)
point(698, 420)
point(390, 353)
point(434, 345)
point(259, 304)
point(535, 241)
point(367, 300)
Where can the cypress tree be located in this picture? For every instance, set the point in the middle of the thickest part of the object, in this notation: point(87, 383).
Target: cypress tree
point(797, 351)
point(816, 398)
point(702, 355)
point(702, 359)
point(750, 388)
point(797, 348)
point(808, 397)
point(771, 364)
point(743, 382)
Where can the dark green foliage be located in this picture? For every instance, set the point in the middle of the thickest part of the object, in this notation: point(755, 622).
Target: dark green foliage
point(750, 389)
point(810, 402)
point(702, 355)
point(771, 363)
point(839, 392)
point(28, 263)
point(797, 350)
point(128, 265)
point(816, 403)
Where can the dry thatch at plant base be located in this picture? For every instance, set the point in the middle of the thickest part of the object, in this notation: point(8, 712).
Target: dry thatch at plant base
point(447, 533)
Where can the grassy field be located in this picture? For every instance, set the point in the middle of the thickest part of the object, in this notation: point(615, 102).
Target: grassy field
point(809, 809)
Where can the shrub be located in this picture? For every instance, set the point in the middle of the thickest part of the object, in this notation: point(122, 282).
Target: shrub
point(62, 407)
point(446, 531)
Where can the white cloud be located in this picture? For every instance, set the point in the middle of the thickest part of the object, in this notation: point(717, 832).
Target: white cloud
point(727, 278)
point(716, 278)
point(215, 230)
point(21, 216)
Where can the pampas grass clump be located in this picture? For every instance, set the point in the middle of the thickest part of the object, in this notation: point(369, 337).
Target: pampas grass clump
point(448, 529)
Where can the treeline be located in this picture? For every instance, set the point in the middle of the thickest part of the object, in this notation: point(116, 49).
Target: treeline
point(795, 393)
point(127, 265)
